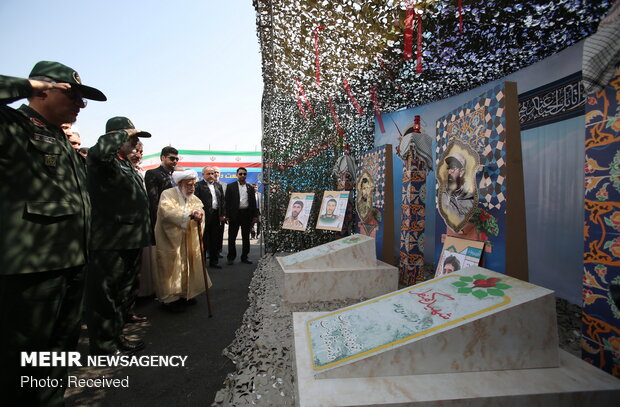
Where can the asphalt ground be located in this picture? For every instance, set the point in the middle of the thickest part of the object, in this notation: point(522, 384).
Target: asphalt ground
point(191, 333)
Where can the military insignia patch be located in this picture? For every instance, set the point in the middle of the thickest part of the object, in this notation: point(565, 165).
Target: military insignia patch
point(50, 160)
point(45, 139)
point(76, 78)
point(37, 122)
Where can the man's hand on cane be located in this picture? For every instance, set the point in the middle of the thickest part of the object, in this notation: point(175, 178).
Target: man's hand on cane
point(196, 215)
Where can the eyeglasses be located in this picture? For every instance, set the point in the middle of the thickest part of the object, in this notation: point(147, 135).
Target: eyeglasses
point(172, 158)
point(75, 96)
point(242, 173)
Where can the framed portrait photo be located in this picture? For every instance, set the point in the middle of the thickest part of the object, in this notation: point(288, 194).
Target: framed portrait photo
point(458, 254)
point(333, 209)
point(298, 211)
point(457, 192)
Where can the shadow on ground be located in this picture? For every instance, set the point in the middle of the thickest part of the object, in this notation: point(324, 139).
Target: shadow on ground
point(191, 333)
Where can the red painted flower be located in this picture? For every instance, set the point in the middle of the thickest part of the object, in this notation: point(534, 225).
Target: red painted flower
point(489, 282)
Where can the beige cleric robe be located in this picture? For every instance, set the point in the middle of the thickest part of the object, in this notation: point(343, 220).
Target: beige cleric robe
point(177, 262)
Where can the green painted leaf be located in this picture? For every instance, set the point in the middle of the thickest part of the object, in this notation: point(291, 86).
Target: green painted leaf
point(502, 286)
point(459, 284)
point(466, 279)
point(480, 277)
point(479, 294)
point(464, 290)
point(496, 292)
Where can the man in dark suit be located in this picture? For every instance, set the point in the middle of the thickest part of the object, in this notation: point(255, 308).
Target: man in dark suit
point(159, 179)
point(241, 211)
point(45, 217)
point(222, 224)
point(212, 197)
point(121, 227)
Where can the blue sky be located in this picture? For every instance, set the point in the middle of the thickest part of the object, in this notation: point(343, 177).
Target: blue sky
point(187, 71)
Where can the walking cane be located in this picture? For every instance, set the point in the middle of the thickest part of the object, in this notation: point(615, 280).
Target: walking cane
point(204, 268)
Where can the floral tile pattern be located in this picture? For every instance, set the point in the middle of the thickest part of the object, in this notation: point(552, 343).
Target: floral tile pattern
point(601, 317)
point(411, 266)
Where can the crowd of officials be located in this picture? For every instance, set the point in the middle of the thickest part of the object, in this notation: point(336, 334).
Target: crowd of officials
point(78, 222)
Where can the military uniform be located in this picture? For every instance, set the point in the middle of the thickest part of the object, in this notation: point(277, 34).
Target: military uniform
point(121, 227)
point(45, 219)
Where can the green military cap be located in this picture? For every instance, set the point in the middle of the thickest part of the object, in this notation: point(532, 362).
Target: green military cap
point(123, 123)
point(62, 73)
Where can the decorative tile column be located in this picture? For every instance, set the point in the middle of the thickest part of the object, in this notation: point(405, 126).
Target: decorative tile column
point(601, 317)
point(411, 266)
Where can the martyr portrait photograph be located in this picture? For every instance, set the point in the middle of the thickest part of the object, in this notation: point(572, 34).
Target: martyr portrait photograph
point(299, 206)
point(457, 194)
point(333, 208)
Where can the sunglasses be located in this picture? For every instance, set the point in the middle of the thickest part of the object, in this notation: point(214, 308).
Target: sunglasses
point(173, 158)
point(242, 173)
point(75, 96)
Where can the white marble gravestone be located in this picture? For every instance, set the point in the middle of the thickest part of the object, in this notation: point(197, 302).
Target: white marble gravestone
point(357, 249)
point(467, 338)
point(344, 268)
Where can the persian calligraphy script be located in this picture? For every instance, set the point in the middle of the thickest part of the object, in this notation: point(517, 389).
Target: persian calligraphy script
point(428, 298)
point(379, 324)
point(557, 101)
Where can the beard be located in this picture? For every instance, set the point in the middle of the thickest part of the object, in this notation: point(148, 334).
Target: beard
point(454, 183)
point(186, 192)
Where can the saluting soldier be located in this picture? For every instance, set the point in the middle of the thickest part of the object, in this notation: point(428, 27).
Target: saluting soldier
point(45, 220)
point(121, 227)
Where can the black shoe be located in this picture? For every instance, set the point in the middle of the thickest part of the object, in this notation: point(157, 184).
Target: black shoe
point(192, 301)
point(175, 307)
point(230, 262)
point(135, 319)
point(246, 261)
point(215, 266)
point(131, 346)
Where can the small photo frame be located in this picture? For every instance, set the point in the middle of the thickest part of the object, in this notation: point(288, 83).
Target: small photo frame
point(458, 254)
point(298, 211)
point(333, 210)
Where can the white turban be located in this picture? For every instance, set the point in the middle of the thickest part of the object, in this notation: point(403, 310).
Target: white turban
point(179, 176)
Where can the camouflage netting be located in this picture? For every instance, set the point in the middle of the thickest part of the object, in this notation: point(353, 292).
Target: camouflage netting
point(362, 42)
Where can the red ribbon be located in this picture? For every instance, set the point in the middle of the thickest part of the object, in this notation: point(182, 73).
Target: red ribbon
point(391, 78)
point(316, 54)
point(331, 109)
point(408, 42)
point(301, 107)
point(356, 105)
point(461, 16)
point(418, 68)
point(377, 113)
point(303, 96)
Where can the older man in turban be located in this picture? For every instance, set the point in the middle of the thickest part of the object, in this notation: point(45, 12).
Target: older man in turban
point(178, 260)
